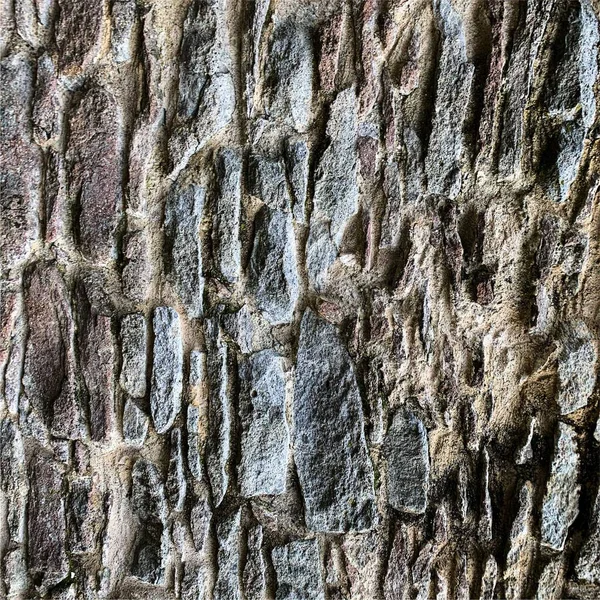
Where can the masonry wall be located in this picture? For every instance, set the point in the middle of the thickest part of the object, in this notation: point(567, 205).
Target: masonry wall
point(299, 299)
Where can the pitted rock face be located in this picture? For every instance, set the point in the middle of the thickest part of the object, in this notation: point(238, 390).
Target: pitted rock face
point(299, 300)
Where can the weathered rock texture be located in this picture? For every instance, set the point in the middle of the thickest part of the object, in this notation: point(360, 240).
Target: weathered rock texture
point(299, 299)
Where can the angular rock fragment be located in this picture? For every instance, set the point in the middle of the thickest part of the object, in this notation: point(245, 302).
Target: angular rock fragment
point(135, 423)
point(265, 434)
point(245, 328)
point(267, 181)
point(576, 368)
point(94, 164)
point(551, 581)
point(13, 479)
point(149, 505)
point(183, 213)
point(407, 452)
point(97, 360)
point(20, 162)
point(193, 442)
point(124, 31)
point(330, 451)
point(273, 277)
point(176, 485)
point(77, 32)
point(219, 412)
point(297, 161)
point(46, 531)
point(561, 502)
point(226, 242)
point(134, 351)
point(588, 563)
point(137, 272)
point(336, 189)
point(227, 586)
point(289, 74)
point(442, 163)
point(167, 369)
point(206, 96)
point(84, 515)
point(489, 579)
point(200, 517)
point(254, 583)
point(298, 570)
point(46, 107)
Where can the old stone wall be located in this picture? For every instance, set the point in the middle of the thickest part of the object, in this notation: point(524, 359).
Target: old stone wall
point(300, 299)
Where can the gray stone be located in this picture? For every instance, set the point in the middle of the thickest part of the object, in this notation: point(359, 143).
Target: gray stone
point(176, 485)
point(77, 33)
point(336, 188)
point(227, 246)
point(46, 530)
point(267, 181)
point(297, 160)
point(150, 507)
point(298, 569)
point(442, 163)
point(13, 481)
point(273, 276)
point(193, 440)
point(290, 74)
point(15, 572)
point(125, 28)
point(588, 563)
point(407, 452)
point(253, 579)
point(197, 367)
point(183, 213)
point(576, 368)
point(167, 369)
point(227, 586)
point(489, 579)
point(245, 327)
point(134, 352)
point(135, 423)
point(219, 412)
point(46, 107)
point(137, 272)
point(200, 517)
point(330, 451)
point(561, 502)
point(551, 581)
point(265, 433)
point(85, 519)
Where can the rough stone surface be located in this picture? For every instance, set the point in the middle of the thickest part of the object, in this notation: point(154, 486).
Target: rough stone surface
point(334, 468)
point(299, 299)
point(167, 369)
point(298, 571)
point(265, 435)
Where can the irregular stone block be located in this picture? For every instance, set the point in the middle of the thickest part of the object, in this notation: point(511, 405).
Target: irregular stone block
point(267, 181)
point(46, 531)
point(135, 423)
point(183, 213)
point(94, 164)
point(46, 106)
point(193, 441)
point(265, 434)
point(561, 502)
point(330, 451)
point(219, 412)
point(298, 569)
point(124, 31)
point(227, 586)
point(200, 517)
point(97, 361)
point(150, 507)
point(15, 572)
point(442, 163)
point(253, 579)
point(226, 242)
point(167, 369)
point(20, 161)
point(273, 277)
point(576, 368)
point(13, 481)
point(336, 188)
point(197, 362)
point(85, 517)
point(588, 563)
point(176, 485)
point(407, 452)
point(134, 351)
point(137, 272)
point(77, 33)
point(289, 73)
point(297, 161)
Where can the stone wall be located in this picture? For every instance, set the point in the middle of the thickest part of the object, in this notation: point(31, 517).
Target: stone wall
point(300, 299)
